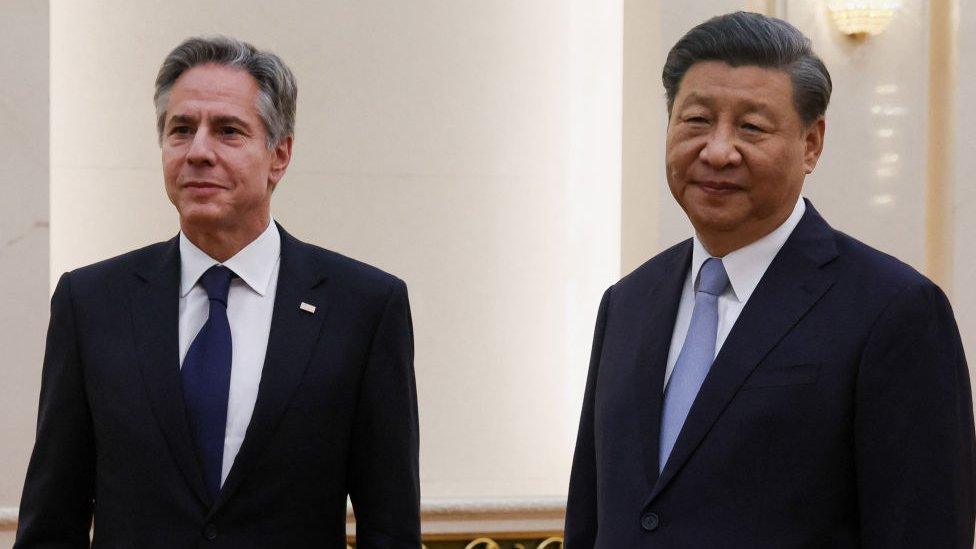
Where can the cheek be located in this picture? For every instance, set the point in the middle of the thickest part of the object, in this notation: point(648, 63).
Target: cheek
point(772, 183)
point(170, 173)
point(683, 148)
point(172, 160)
point(677, 160)
point(250, 182)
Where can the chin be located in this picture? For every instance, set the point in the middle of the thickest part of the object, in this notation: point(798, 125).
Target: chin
point(203, 215)
point(716, 226)
point(713, 219)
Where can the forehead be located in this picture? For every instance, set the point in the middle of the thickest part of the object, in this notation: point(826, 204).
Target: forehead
point(214, 87)
point(721, 83)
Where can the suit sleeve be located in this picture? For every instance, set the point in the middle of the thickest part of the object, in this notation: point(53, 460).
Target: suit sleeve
point(385, 482)
point(56, 506)
point(581, 507)
point(914, 438)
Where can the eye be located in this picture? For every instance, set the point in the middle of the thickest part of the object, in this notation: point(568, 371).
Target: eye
point(230, 130)
point(752, 128)
point(696, 120)
point(180, 130)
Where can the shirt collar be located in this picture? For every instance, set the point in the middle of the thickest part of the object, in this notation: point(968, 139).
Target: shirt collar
point(254, 264)
point(748, 264)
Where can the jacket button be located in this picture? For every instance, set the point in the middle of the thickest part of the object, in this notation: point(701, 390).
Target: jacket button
point(210, 532)
point(650, 522)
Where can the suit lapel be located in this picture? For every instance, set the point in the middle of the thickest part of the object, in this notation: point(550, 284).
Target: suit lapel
point(794, 282)
point(294, 333)
point(654, 322)
point(154, 305)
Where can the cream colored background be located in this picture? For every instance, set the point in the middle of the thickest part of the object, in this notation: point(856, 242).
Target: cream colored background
point(964, 183)
point(24, 237)
point(471, 148)
point(504, 158)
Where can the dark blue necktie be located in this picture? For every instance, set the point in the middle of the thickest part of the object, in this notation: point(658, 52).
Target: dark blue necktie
point(206, 378)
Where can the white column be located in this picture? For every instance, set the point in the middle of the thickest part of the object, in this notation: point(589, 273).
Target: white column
point(964, 184)
point(23, 238)
point(470, 147)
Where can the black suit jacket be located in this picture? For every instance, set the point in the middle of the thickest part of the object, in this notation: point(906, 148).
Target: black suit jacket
point(838, 412)
point(336, 414)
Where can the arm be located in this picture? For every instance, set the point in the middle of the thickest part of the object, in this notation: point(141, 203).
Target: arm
point(56, 507)
point(384, 483)
point(581, 507)
point(914, 439)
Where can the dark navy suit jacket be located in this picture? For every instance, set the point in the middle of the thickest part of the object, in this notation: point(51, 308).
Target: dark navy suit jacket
point(838, 413)
point(336, 414)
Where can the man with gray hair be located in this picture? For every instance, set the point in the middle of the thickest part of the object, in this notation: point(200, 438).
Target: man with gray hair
point(233, 386)
point(770, 382)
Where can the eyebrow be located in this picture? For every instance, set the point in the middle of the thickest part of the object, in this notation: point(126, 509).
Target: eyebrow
point(180, 119)
point(751, 106)
point(222, 120)
point(230, 120)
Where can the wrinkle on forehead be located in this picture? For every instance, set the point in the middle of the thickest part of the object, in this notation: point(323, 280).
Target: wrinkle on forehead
point(747, 102)
point(750, 88)
point(215, 90)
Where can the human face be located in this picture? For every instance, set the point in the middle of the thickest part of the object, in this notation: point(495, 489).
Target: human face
point(218, 170)
point(737, 152)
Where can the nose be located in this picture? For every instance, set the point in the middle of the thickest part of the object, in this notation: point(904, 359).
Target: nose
point(720, 150)
point(201, 149)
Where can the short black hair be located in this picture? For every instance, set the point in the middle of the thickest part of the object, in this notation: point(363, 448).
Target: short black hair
point(744, 38)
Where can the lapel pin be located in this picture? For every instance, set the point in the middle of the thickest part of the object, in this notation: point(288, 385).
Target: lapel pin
point(307, 308)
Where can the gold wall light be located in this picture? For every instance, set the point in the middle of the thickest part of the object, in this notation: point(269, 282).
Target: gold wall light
point(861, 18)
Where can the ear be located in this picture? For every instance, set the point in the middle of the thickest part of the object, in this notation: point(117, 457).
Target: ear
point(813, 139)
point(280, 157)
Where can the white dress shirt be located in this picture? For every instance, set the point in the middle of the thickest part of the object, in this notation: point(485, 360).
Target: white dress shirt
point(249, 306)
point(745, 267)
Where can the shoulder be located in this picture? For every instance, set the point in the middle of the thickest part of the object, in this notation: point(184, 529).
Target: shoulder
point(876, 273)
point(113, 271)
point(892, 298)
point(351, 274)
point(663, 265)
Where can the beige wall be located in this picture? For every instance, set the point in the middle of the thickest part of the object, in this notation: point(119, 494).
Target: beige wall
point(871, 178)
point(472, 148)
point(964, 182)
point(873, 175)
point(504, 157)
point(23, 235)
point(644, 120)
point(870, 181)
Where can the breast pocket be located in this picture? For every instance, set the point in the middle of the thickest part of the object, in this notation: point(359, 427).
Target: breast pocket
point(782, 376)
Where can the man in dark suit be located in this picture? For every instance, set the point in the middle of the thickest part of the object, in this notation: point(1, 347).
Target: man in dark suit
point(771, 382)
point(229, 387)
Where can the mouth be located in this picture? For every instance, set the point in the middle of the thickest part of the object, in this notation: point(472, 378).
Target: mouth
point(201, 185)
point(718, 188)
point(203, 188)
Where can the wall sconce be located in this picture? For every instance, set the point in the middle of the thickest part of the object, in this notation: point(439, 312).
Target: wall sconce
point(860, 18)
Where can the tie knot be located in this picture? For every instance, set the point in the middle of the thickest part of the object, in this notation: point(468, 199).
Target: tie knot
point(712, 279)
point(216, 281)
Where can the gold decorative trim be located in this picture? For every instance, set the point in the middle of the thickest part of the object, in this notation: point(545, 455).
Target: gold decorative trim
point(8, 519)
point(501, 536)
point(495, 508)
point(525, 517)
point(487, 542)
point(941, 130)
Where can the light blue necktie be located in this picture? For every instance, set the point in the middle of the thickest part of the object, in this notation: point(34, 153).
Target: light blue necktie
point(696, 356)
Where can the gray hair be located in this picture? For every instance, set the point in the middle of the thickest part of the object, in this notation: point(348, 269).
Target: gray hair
point(277, 90)
point(743, 38)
